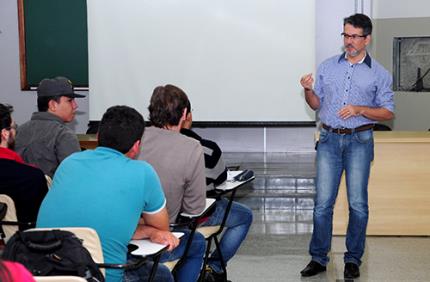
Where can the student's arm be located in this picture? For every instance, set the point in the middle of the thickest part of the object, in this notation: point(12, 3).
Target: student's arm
point(195, 191)
point(66, 144)
point(156, 229)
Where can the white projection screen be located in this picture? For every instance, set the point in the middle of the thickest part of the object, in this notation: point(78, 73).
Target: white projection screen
point(237, 60)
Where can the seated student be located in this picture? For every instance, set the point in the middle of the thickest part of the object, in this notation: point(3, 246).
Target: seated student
point(26, 185)
point(45, 140)
point(178, 160)
point(13, 271)
point(240, 216)
point(108, 190)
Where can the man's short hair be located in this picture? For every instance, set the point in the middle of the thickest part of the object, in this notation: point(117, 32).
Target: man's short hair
point(43, 102)
point(167, 105)
point(5, 116)
point(360, 21)
point(120, 128)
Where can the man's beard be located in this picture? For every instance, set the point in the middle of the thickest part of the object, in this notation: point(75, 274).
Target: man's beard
point(11, 143)
point(352, 53)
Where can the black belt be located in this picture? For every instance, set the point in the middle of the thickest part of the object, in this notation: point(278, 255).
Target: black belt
point(348, 130)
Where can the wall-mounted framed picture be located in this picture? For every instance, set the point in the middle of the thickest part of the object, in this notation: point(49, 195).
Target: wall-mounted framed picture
point(411, 64)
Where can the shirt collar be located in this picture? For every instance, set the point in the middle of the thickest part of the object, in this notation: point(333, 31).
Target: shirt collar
point(6, 153)
point(367, 60)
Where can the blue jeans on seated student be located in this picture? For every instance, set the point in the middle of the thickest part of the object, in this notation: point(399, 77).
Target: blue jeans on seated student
point(190, 269)
point(163, 274)
point(352, 153)
point(236, 227)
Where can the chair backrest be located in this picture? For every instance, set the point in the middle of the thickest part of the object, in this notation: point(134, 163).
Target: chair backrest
point(59, 279)
point(48, 181)
point(9, 230)
point(90, 240)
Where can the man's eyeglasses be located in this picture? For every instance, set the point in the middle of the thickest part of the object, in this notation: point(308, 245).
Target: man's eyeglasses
point(352, 36)
point(14, 126)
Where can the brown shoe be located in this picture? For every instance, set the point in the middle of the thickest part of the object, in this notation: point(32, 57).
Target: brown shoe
point(313, 268)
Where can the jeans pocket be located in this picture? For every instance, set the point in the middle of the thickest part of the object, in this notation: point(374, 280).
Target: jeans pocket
point(364, 137)
point(324, 134)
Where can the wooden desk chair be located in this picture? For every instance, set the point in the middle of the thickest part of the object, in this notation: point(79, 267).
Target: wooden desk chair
point(48, 181)
point(91, 242)
point(9, 222)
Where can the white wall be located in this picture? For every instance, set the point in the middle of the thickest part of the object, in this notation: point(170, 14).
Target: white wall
point(328, 42)
point(383, 9)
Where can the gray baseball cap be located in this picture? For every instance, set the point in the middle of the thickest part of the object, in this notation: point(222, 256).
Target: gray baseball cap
point(58, 86)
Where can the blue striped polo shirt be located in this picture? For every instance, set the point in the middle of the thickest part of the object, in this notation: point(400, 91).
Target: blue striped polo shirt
point(339, 83)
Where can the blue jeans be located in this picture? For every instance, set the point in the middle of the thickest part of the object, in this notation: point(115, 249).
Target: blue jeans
point(237, 225)
point(142, 273)
point(352, 153)
point(191, 266)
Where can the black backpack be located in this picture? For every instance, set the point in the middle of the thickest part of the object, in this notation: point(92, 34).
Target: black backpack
point(52, 252)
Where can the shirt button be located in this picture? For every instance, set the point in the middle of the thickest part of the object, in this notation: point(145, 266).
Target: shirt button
point(349, 77)
point(346, 90)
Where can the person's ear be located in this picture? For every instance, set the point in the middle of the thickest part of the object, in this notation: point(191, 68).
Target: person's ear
point(5, 134)
point(368, 39)
point(134, 150)
point(52, 105)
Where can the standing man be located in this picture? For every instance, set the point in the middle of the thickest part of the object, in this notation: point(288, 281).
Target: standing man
point(108, 190)
point(46, 140)
point(26, 185)
point(352, 92)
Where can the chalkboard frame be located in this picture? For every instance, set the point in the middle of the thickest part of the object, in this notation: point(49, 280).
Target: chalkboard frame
point(79, 74)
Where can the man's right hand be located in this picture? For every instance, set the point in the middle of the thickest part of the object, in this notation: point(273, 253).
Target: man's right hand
point(165, 238)
point(307, 81)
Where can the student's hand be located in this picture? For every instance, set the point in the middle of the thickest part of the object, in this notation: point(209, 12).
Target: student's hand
point(165, 238)
point(307, 81)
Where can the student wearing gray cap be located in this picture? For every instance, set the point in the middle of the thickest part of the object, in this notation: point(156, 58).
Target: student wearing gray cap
point(45, 140)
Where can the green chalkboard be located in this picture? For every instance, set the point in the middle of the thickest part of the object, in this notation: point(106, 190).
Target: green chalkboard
point(54, 35)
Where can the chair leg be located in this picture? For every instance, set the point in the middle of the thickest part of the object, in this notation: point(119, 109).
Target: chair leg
point(154, 268)
point(205, 260)
point(221, 258)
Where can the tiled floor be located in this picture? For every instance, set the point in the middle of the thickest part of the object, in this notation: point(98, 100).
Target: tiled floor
point(281, 198)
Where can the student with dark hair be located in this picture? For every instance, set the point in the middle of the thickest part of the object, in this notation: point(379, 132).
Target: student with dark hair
point(352, 92)
point(26, 185)
point(46, 140)
point(178, 160)
point(108, 190)
point(239, 219)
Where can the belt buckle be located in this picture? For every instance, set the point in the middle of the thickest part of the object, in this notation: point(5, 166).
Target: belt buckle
point(339, 131)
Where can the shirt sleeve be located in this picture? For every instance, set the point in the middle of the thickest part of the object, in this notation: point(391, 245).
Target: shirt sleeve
point(319, 79)
point(384, 93)
point(155, 199)
point(195, 190)
point(67, 144)
point(216, 170)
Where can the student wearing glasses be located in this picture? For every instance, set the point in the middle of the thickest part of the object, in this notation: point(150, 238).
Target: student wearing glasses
point(25, 184)
point(352, 92)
